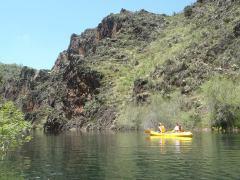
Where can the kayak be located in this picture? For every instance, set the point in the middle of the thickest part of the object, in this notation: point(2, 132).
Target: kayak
point(170, 138)
point(171, 134)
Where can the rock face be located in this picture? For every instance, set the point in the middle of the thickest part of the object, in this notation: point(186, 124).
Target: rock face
point(24, 87)
point(82, 83)
point(41, 94)
point(59, 99)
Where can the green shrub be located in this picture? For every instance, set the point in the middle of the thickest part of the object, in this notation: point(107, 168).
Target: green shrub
point(223, 99)
point(13, 127)
point(188, 11)
point(167, 110)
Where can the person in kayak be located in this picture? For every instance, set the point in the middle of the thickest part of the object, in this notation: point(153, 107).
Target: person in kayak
point(177, 128)
point(161, 128)
point(180, 128)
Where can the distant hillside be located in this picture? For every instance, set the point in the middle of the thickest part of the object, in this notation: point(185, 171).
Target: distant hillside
point(8, 71)
point(138, 68)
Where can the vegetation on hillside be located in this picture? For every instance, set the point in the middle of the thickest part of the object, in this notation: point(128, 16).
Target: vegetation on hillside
point(223, 100)
point(193, 47)
point(167, 110)
point(8, 71)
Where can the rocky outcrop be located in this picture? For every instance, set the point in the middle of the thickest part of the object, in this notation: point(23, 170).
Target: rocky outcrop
point(55, 122)
point(68, 96)
point(109, 27)
point(25, 84)
point(25, 91)
point(73, 84)
point(61, 62)
point(82, 84)
point(84, 44)
point(140, 26)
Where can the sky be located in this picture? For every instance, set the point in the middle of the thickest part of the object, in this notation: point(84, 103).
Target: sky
point(34, 32)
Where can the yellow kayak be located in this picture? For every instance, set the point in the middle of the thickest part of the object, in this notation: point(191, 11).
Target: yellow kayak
point(171, 138)
point(171, 134)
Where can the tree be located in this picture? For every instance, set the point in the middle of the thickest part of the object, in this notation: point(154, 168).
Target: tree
point(13, 127)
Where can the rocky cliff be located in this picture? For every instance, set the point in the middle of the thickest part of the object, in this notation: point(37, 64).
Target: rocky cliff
point(126, 59)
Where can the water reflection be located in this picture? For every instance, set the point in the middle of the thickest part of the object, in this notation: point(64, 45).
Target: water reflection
point(180, 144)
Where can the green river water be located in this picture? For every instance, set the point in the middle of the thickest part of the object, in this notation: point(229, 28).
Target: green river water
point(76, 155)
